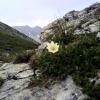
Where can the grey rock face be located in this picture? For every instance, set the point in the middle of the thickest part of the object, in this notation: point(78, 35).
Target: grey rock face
point(17, 79)
point(95, 26)
point(71, 15)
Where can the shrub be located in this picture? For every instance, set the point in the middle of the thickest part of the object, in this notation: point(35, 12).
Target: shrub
point(95, 93)
point(53, 64)
point(24, 57)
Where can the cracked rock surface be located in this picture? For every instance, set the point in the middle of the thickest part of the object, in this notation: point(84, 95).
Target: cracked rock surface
point(17, 79)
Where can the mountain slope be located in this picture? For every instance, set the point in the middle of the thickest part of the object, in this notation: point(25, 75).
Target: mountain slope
point(13, 42)
point(33, 32)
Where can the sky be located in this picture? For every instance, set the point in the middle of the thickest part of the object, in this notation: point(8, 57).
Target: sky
point(38, 12)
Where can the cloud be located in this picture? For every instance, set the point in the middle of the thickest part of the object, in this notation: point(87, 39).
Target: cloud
point(37, 12)
point(3, 19)
point(38, 22)
point(31, 22)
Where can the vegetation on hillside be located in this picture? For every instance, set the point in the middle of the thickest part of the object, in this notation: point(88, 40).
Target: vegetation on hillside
point(78, 56)
point(24, 56)
point(10, 46)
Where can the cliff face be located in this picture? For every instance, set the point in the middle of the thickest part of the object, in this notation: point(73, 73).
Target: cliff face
point(78, 22)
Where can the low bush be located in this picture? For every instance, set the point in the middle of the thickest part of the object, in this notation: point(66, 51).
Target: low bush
point(95, 93)
point(24, 57)
point(53, 64)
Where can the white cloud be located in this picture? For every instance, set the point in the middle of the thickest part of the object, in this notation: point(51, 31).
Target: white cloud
point(37, 12)
point(4, 19)
point(31, 23)
point(38, 22)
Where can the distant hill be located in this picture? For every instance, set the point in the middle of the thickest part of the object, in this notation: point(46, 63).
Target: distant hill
point(33, 32)
point(13, 42)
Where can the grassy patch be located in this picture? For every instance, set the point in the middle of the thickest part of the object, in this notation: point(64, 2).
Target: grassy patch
point(24, 57)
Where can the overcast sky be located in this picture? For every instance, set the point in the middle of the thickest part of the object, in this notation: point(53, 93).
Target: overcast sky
point(37, 12)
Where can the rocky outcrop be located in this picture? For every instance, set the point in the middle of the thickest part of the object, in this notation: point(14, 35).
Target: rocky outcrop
point(65, 90)
point(85, 21)
point(17, 78)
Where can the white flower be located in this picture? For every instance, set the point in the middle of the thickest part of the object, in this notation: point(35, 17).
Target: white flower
point(52, 47)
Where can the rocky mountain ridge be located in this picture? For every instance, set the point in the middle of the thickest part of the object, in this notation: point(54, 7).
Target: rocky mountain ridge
point(77, 22)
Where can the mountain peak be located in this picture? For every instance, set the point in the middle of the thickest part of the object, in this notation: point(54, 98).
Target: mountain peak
point(33, 32)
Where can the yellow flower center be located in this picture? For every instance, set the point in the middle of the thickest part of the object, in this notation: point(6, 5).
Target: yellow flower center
point(53, 48)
